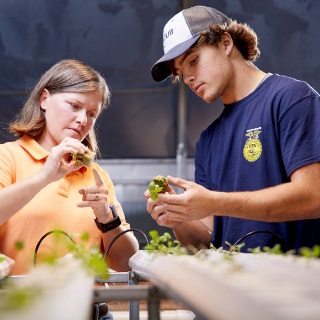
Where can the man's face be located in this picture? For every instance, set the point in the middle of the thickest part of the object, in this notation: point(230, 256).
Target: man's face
point(206, 70)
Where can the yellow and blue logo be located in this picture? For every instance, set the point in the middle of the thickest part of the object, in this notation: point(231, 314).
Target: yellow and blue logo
point(253, 148)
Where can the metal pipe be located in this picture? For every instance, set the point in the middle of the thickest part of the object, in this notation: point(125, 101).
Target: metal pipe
point(182, 150)
point(181, 156)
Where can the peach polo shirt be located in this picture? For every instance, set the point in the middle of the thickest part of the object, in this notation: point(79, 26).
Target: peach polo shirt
point(53, 208)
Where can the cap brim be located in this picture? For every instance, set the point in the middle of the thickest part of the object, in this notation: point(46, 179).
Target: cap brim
point(160, 70)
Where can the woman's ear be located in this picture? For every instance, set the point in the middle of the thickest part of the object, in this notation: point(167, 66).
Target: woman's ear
point(44, 96)
point(227, 42)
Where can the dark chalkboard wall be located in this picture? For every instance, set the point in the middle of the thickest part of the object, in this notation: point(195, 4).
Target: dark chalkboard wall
point(122, 39)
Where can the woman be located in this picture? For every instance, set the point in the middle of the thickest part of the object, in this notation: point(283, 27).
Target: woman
point(42, 187)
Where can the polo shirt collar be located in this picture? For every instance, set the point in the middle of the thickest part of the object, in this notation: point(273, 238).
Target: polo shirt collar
point(36, 151)
point(33, 147)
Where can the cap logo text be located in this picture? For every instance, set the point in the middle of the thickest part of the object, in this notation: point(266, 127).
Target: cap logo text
point(167, 34)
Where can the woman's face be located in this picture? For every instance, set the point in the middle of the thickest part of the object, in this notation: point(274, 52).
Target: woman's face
point(67, 114)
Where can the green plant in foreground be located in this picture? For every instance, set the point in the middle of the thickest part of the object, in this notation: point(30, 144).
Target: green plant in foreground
point(274, 250)
point(19, 245)
point(234, 248)
point(164, 244)
point(18, 298)
point(304, 252)
point(91, 259)
point(313, 252)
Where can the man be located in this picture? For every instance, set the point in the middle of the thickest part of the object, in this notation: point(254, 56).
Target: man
point(257, 171)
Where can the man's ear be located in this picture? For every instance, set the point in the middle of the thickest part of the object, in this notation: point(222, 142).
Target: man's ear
point(44, 96)
point(227, 43)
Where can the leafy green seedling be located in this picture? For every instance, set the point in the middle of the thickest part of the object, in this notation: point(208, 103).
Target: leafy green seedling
point(157, 185)
point(313, 252)
point(164, 244)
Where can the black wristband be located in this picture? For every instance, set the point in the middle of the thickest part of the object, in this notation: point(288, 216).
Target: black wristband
point(105, 227)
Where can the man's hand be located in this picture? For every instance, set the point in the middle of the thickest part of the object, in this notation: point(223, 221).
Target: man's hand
point(193, 204)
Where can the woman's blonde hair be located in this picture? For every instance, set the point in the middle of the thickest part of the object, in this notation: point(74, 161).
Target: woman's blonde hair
point(64, 76)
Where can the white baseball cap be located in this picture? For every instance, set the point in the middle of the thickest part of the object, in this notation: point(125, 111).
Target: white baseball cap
point(181, 32)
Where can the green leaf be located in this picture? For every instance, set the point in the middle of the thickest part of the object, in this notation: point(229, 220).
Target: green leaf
point(163, 244)
point(19, 245)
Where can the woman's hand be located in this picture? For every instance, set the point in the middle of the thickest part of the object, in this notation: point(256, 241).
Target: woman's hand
point(58, 163)
point(96, 197)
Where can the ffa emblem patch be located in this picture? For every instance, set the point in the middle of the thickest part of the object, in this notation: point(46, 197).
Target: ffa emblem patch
point(253, 148)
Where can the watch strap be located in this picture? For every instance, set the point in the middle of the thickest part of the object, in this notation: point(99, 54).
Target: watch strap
point(105, 227)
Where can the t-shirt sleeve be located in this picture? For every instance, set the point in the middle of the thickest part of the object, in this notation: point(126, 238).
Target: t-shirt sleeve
point(300, 133)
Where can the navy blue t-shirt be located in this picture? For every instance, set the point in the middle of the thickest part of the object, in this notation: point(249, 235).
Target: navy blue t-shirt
point(257, 143)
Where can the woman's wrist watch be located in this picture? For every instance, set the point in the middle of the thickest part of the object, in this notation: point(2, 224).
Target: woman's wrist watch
point(105, 227)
